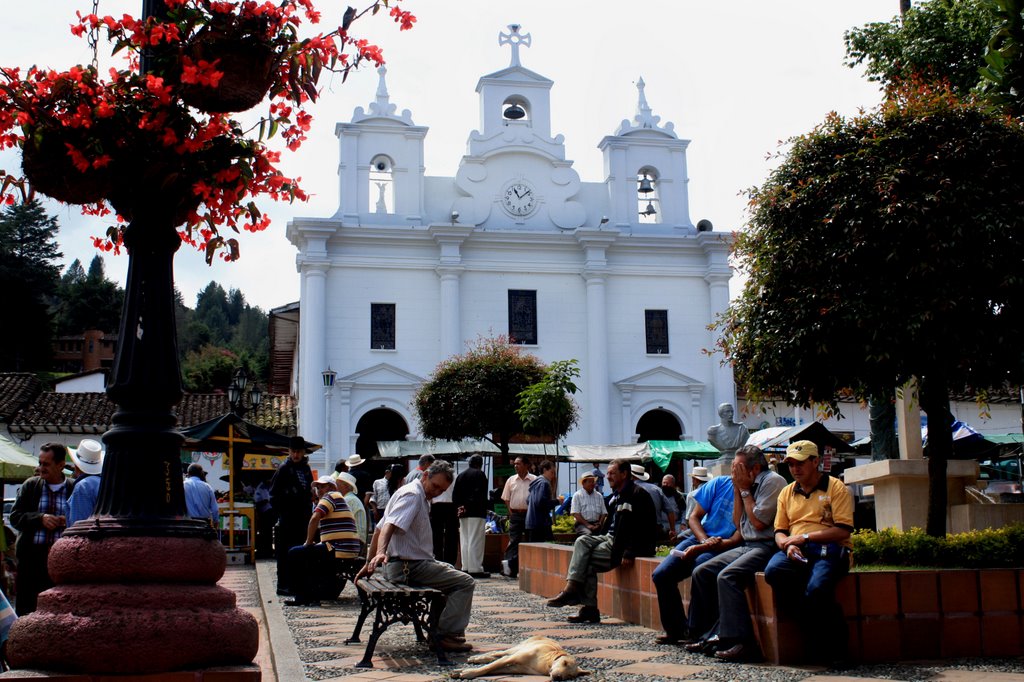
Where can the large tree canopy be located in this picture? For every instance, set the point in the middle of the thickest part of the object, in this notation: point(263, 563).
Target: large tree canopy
point(475, 395)
point(936, 40)
point(886, 247)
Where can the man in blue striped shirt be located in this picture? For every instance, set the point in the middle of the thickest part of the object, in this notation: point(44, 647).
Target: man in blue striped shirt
point(200, 499)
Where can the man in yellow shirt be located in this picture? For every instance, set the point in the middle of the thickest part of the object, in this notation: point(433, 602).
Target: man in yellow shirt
point(812, 531)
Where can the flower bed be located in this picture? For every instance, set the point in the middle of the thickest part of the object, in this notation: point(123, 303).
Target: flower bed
point(892, 615)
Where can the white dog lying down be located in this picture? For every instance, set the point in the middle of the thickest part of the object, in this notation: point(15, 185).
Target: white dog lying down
point(535, 656)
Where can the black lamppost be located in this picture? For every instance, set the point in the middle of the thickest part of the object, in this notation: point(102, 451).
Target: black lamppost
point(237, 393)
point(142, 574)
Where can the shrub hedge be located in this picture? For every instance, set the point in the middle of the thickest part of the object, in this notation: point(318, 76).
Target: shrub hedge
point(990, 548)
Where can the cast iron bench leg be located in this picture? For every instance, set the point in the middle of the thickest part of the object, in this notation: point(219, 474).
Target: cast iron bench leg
point(363, 612)
point(371, 644)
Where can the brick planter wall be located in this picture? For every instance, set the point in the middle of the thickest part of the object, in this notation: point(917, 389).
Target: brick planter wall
point(891, 615)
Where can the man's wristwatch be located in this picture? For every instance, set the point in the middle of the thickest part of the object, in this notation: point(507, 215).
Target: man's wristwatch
point(744, 493)
point(806, 537)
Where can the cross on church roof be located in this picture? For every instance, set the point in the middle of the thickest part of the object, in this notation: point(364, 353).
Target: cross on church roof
point(515, 39)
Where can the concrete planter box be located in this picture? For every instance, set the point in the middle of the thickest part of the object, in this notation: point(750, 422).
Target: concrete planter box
point(892, 615)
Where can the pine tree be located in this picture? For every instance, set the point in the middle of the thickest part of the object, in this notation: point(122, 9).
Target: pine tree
point(28, 278)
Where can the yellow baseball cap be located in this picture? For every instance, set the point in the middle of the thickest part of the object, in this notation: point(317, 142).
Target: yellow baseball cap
point(801, 450)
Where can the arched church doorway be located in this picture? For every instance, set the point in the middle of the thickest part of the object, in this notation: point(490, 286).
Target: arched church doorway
point(379, 424)
point(660, 425)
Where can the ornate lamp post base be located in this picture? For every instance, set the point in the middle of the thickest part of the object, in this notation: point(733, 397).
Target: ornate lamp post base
point(134, 605)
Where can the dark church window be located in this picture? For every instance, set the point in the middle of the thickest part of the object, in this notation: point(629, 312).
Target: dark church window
point(656, 323)
point(522, 316)
point(382, 326)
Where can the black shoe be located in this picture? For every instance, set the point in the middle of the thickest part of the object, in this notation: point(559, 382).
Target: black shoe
point(667, 639)
point(587, 614)
point(302, 602)
point(566, 597)
point(283, 592)
point(482, 574)
point(739, 653)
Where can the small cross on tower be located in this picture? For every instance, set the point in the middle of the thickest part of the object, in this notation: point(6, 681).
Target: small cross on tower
point(514, 39)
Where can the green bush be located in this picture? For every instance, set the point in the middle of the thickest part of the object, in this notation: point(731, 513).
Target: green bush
point(990, 548)
point(566, 523)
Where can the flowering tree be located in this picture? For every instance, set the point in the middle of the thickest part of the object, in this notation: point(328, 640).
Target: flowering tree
point(157, 135)
point(882, 248)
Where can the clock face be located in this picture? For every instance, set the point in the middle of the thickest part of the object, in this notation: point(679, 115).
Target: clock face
point(519, 199)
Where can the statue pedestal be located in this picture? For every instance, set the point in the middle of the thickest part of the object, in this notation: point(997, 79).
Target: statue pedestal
point(721, 466)
point(901, 489)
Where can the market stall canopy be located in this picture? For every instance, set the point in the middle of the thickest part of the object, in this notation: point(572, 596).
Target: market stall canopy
point(813, 431)
point(16, 463)
point(663, 451)
point(218, 428)
point(407, 449)
point(606, 453)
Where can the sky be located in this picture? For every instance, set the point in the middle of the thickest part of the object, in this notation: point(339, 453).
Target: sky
point(736, 78)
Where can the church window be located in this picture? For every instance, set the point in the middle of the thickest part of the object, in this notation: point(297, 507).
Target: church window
point(522, 316)
point(648, 205)
point(382, 326)
point(656, 327)
point(382, 185)
point(515, 108)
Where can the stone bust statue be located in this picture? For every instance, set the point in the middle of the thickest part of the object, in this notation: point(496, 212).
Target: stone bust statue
point(727, 436)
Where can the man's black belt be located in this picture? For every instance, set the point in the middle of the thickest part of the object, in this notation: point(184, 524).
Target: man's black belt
point(517, 511)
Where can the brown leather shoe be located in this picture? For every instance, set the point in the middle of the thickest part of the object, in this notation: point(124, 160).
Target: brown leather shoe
point(738, 653)
point(449, 643)
point(567, 597)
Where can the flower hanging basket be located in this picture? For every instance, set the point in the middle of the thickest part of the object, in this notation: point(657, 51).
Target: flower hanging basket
point(49, 162)
point(247, 66)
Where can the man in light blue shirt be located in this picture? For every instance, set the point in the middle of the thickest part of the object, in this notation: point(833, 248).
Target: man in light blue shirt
point(88, 459)
point(200, 499)
point(713, 529)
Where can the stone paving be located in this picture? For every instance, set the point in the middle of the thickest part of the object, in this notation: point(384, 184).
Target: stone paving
point(308, 644)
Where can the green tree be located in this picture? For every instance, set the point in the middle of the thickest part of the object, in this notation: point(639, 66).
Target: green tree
point(212, 311)
point(475, 395)
point(208, 369)
point(1004, 57)
point(28, 280)
point(88, 300)
point(937, 40)
point(886, 247)
point(545, 407)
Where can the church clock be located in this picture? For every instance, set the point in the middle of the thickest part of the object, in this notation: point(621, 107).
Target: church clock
point(519, 199)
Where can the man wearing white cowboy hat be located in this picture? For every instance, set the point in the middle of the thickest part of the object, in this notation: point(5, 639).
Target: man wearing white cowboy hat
point(665, 510)
point(88, 459)
point(364, 479)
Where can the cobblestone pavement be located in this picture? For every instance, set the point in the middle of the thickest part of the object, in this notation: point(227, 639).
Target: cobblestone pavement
point(503, 616)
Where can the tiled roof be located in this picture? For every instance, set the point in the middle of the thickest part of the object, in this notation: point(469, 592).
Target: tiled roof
point(16, 390)
point(92, 412)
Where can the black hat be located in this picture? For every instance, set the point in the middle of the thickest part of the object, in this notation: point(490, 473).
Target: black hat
point(297, 443)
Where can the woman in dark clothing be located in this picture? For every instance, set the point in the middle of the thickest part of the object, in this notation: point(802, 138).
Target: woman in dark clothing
point(291, 496)
point(540, 503)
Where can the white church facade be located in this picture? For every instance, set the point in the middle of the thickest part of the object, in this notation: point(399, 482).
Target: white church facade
point(411, 268)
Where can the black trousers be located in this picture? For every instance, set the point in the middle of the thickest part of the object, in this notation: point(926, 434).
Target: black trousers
point(444, 522)
point(516, 531)
point(289, 532)
point(306, 565)
point(32, 577)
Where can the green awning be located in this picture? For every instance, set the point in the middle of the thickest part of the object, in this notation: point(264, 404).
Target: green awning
point(16, 463)
point(1004, 439)
point(663, 451)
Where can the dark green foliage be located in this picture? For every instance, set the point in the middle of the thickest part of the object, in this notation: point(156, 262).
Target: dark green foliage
point(1004, 57)
point(886, 247)
point(937, 40)
point(88, 300)
point(545, 407)
point(475, 395)
point(28, 280)
point(222, 327)
point(991, 548)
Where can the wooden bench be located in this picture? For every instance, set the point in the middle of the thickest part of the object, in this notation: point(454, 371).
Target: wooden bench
point(394, 603)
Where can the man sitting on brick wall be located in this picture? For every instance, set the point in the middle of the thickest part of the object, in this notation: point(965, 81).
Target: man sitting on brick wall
point(718, 586)
point(628, 533)
point(812, 530)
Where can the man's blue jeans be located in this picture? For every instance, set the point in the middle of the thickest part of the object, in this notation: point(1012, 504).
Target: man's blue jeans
point(810, 589)
point(666, 578)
